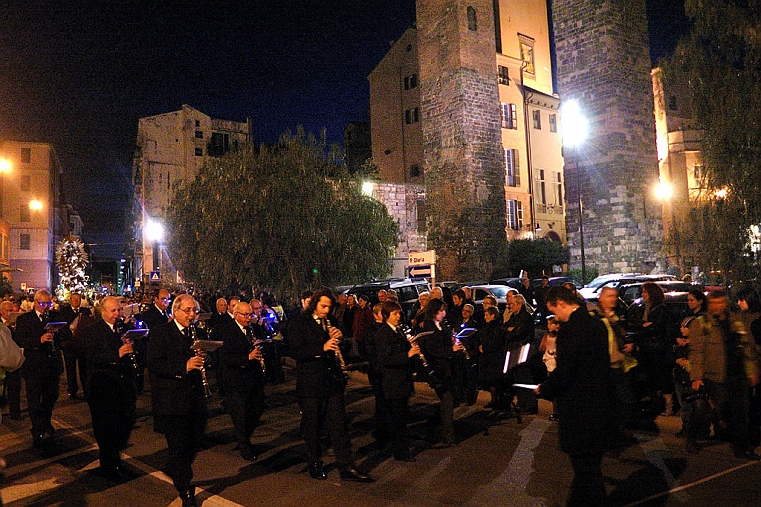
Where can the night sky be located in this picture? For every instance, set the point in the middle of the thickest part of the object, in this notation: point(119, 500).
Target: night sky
point(79, 74)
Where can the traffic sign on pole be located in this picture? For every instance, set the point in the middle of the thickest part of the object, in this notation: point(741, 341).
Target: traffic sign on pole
point(422, 258)
point(422, 271)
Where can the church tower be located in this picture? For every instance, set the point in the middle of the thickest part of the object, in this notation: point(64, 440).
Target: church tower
point(603, 63)
point(460, 122)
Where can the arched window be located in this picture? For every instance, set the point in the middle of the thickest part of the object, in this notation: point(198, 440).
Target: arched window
point(472, 22)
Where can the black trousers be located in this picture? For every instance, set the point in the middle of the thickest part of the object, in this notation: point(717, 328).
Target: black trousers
point(112, 409)
point(446, 409)
point(13, 392)
point(397, 422)
point(184, 434)
point(381, 416)
point(245, 407)
point(41, 395)
point(70, 360)
point(331, 411)
point(588, 486)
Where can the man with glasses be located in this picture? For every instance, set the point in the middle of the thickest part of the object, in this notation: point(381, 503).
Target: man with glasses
point(178, 393)
point(157, 313)
point(243, 377)
point(43, 366)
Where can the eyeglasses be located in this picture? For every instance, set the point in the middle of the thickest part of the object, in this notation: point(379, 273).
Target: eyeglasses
point(45, 303)
point(189, 311)
point(243, 314)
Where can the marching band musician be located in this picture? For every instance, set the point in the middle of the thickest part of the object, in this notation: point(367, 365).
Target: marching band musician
point(111, 388)
point(394, 354)
point(43, 366)
point(243, 377)
point(320, 386)
point(178, 393)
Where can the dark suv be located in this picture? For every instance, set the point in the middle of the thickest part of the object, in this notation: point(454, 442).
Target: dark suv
point(406, 290)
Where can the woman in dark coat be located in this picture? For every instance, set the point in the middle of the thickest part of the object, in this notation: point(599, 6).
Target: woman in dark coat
point(394, 354)
point(655, 342)
point(436, 345)
point(492, 359)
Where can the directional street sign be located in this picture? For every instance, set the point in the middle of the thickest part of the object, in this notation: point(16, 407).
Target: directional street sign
point(420, 271)
point(422, 258)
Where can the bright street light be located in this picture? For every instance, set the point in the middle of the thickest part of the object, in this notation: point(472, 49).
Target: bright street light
point(664, 191)
point(5, 165)
point(35, 205)
point(575, 125)
point(154, 231)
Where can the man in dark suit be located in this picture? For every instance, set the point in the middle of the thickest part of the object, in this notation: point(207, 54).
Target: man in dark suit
point(157, 313)
point(111, 385)
point(219, 316)
point(72, 351)
point(244, 378)
point(43, 366)
point(320, 385)
point(178, 393)
point(582, 389)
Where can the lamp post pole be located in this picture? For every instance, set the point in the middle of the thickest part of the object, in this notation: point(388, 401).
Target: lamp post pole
point(581, 223)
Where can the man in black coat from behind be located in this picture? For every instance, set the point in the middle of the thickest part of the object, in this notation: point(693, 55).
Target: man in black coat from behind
point(582, 389)
point(73, 352)
point(111, 387)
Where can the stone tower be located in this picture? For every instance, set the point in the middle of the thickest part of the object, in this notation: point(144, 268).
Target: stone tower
point(603, 63)
point(460, 121)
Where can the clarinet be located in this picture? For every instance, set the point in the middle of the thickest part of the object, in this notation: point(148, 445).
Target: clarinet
point(200, 353)
point(120, 326)
point(258, 344)
point(339, 356)
point(413, 340)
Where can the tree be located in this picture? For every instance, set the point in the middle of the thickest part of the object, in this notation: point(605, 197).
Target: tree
point(284, 217)
point(537, 256)
point(720, 61)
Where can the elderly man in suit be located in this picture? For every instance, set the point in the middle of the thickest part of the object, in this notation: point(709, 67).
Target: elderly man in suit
point(320, 385)
point(244, 378)
point(43, 366)
point(178, 393)
point(111, 388)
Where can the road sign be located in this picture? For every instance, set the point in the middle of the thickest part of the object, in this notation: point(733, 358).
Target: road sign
point(422, 258)
point(423, 271)
point(155, 276)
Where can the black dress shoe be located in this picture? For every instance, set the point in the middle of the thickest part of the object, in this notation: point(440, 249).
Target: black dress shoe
point(37, 439)
point(316, 471)
point(350, 474)
point(188, 498)
point(247, 452)
point(50, 430)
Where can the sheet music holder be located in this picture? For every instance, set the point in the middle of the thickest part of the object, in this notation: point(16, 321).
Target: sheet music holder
point(134, 334)
point(526, 386)
point(54, 327)
point(206, 345)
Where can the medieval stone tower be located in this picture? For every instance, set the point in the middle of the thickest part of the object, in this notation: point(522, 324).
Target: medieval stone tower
point(460, 122)
point(603, 63)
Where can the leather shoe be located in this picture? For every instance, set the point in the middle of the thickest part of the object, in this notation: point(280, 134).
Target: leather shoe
point(350, 474)
point(37, 439)
point(316, 471)
point(50, 430)
point(188, 498)
point(749, 455)
point(247, 452)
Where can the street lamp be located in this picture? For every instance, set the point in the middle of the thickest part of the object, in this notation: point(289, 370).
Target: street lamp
point(575, 132)
point(35, 205)
point(154, 232)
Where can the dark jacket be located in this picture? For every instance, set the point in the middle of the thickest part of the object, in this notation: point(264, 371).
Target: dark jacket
point(239, 373)
point(523, 328)
point(395, 365)
point(153, 317)
point(175, 391)
point(108, 374)
point(317, 371)
point(492, 359)
point(581, 385)
point(436, 346)
point(42, 359)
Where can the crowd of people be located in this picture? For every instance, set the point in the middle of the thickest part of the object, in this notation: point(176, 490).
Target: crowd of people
point(608, 372)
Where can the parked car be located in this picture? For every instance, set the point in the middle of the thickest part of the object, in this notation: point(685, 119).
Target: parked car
point(407, 291)
point(510, 282)
point(630, 293)
point(499, 292)
point(557, 280)
point(591, 292)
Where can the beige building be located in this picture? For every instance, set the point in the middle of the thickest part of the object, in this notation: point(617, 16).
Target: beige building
point(682, 177)
point(171, 149)
point(32, 212)
point(530, 127)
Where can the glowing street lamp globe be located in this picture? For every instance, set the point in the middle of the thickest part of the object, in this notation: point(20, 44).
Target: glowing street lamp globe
point(154, 231)
point(575, 124)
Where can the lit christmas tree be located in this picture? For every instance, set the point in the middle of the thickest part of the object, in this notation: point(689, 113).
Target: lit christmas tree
point(71, 259)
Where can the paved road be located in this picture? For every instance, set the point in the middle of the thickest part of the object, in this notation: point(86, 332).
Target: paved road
point(504, 464)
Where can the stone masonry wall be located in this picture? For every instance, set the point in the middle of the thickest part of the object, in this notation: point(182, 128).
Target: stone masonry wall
point(465, 199)
point(603, 63)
